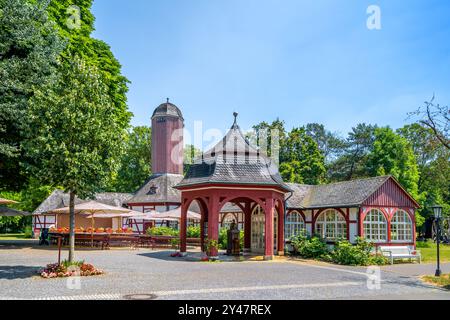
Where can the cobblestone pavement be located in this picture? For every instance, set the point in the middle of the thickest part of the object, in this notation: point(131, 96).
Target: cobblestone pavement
point(142, 273)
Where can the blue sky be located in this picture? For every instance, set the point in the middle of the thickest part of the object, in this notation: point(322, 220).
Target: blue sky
point(300, 61)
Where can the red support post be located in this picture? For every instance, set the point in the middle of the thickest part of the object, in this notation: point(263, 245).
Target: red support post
point(269, 213)
point(183, 226)
point(247, 226)
point(281, 229)
point(213, 225)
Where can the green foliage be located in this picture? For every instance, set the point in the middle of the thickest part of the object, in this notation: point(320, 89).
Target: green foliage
point(423, 244)
point(190, 154)
point(95, 52)
point(309, 247)
point(162, 231)
point(66, 263)
point(193, 232)
point(300, 159)
point(74, 142)
point(353, 154)
point(392, 154)
point(329, 143)
point(346, 253)
point(303, 154)
point(223, 238)
point(359, 254)
point(29, 47)
point(211, 244)
point(343, 252)
point(135, 162)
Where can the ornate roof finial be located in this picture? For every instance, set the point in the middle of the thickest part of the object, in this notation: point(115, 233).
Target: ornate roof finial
point(235, 114)
point(167, 100)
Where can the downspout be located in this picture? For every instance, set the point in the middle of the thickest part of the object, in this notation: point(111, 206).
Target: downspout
point(285, 215)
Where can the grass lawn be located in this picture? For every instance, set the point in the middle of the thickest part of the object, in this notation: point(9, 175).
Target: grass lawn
point(12, 236)
point(429, 253)
point(442, 281)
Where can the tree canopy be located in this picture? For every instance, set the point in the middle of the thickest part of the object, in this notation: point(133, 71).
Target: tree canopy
point(29, 48)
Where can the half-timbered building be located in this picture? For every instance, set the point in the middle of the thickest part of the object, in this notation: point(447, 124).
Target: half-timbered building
point(235, 181)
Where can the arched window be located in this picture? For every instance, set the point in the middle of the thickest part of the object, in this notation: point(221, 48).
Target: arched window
point(375, 226)
point(401, 227)
point(294, 224)
point(331, 225)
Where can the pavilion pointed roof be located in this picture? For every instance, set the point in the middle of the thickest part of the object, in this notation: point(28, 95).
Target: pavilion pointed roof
point(233, 160)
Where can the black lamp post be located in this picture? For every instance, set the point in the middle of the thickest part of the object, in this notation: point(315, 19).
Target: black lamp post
point(437, 210)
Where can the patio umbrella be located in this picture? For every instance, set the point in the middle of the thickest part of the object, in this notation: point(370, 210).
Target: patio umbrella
point(8, 212)
point(7, 201)
point(176, 214)
point(92, 208)
point(131, 214)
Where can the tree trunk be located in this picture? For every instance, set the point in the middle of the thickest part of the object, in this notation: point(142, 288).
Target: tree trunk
point(72, 227)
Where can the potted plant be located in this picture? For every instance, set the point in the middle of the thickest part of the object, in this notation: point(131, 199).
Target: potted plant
point(210, 245)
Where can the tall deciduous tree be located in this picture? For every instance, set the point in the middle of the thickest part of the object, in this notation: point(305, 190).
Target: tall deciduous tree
point(437, 118)
point(29, 47)
point(434, 166)
point(76, 23)
point(74, 141)
point(304, 158)
point(352, 163)
point(135, 163)
point(392, 154)
point(329, 143)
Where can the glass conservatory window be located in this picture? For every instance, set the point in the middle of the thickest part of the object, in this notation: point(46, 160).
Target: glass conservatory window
point(331, 225)
point(375, 226)
point(294, 224)
point(401, 227)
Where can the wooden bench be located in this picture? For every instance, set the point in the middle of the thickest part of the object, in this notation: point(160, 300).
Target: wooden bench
point(400, 252)
point(123, 239)
point(157, 241)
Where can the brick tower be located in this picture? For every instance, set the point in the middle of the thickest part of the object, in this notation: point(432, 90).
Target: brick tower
point(167, 139)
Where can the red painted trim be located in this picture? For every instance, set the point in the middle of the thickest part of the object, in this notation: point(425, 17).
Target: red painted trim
point(299, 212)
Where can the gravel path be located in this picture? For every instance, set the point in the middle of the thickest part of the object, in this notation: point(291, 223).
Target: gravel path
point(145, 271)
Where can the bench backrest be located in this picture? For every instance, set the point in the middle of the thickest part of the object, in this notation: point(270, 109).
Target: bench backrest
point(396, 249)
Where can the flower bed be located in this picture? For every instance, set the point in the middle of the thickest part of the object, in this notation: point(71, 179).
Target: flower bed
point(67, 269)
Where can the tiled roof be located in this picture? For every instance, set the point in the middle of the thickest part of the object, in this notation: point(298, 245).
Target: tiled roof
point(233, 160)
point(343, 194)
point(60, 199)
point(167, 109)
point(158, 189)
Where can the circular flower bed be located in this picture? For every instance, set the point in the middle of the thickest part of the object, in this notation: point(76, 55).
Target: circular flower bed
point(66, 269)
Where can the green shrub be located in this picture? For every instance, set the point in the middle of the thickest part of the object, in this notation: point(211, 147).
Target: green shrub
point(346, 253)
point(193, 232)
point(162, 231)
point(359, 254)
point(28, 232)
point(308, 247)
point(423, 244)
point(378, 260)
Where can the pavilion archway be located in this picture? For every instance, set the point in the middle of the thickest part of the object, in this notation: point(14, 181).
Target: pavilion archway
point(213, 199)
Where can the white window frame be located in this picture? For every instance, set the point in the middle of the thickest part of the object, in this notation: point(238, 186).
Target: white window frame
point(295, 224)
point(401, 229)
point(375, 226)
point(336, 226)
